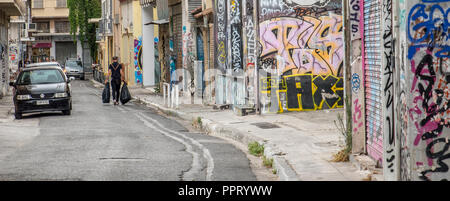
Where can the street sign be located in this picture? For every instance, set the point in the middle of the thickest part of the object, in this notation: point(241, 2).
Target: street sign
point(27, 39)
point(17, 21)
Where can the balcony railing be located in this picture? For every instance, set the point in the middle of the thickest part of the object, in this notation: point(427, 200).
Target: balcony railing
point(13, 7)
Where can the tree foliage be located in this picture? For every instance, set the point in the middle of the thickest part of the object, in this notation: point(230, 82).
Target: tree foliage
point(80, 11)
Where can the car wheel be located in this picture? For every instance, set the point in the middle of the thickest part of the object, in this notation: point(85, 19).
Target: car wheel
point(18, 115)
point(67, 112)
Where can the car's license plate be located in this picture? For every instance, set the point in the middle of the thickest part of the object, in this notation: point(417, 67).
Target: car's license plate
point(42, 102)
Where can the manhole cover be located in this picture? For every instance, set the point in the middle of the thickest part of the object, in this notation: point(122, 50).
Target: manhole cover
point(265, 125)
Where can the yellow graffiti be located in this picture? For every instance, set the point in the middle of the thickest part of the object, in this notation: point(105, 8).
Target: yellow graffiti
point(222, 54)
point(279, 86)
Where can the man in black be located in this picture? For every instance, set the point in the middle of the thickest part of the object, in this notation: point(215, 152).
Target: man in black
point(116, 73)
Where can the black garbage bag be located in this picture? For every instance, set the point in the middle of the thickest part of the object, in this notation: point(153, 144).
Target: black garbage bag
point(125, 95)
point(106, 95)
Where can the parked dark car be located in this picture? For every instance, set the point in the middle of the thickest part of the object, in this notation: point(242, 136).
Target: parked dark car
point(41, 89)
point(74, 68)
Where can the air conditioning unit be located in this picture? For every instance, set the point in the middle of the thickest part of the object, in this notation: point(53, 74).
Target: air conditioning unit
point(32, 27)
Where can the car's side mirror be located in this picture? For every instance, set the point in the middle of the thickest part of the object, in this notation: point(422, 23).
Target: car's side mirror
point(12, 83)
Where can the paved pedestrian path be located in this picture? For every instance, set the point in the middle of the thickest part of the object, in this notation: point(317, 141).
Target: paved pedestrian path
point(301, 143)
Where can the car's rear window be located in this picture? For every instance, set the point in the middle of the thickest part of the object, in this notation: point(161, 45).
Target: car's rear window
point(40, 76)
point(71, 63)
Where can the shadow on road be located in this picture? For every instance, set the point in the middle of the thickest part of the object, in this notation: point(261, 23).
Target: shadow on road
point(42, 114)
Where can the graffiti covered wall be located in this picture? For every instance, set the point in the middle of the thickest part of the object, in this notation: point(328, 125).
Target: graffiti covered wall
point(138, 60)
point(355, 9)
point(427, 89)
point(249, 48)
point(236, 35)
point(220, 34)
point(301, 54)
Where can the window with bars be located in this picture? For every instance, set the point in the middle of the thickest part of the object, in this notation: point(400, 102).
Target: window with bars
point(62, 27)
point(61, 3)
point(43, 26)
point(38, 4)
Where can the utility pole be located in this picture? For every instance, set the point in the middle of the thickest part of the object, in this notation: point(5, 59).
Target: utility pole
point(256, 79)
point(347, 65)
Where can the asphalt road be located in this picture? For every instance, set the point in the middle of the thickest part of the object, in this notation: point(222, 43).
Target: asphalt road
point(106, 142)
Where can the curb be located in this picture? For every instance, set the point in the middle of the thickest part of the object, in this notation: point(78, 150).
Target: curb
point(284, 171)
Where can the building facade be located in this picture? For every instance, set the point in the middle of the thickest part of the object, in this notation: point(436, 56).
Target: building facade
point(8, 8)
point(400, 86)
point(147, 60)
point(52, 36)
point(120, 34)
point(131, 41)
point(386, 61)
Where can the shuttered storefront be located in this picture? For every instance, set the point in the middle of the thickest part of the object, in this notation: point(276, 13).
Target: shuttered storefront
point(65, 50)
point(373, 78)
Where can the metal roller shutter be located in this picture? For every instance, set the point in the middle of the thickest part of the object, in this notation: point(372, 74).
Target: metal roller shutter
point(65, 50)
point(373, 78)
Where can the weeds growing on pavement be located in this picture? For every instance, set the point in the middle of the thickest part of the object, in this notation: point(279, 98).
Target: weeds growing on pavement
point(256, 149)
point(197, 123)
point(346, 131)
point(268, 162)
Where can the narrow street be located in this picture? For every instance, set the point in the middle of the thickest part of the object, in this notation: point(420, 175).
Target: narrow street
point(105, 142)
point(220, 90)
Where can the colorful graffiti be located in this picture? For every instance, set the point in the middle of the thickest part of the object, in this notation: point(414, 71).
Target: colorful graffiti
point(373, 71)
point(428, 53)
point(307, 45)
point(138, 60)
point(304, 92)
point(357, 116)
point(355, 9)
point(305, 50)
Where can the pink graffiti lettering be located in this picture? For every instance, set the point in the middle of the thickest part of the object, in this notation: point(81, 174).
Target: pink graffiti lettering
point(357, 115)
point(308, 45)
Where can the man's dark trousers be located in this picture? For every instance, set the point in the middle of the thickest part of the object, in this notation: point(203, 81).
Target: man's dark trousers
point(115, 85)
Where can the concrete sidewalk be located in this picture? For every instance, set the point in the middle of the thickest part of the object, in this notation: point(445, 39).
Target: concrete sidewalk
point(301, 143)
point(6, 108)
